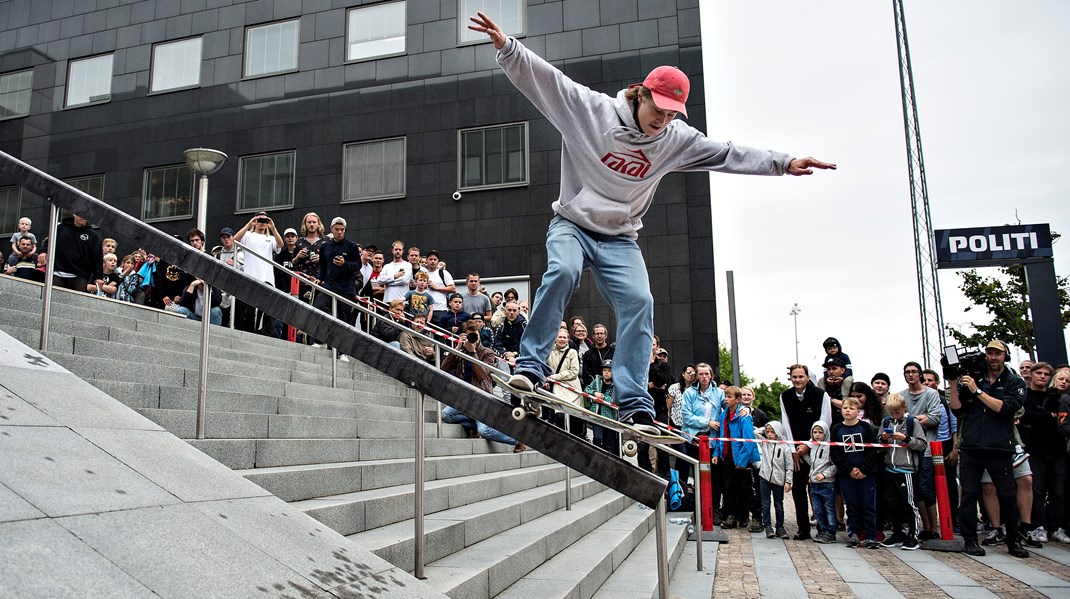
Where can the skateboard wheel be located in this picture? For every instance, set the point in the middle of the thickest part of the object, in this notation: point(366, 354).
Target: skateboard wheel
point(518, 413)
point(630, 448)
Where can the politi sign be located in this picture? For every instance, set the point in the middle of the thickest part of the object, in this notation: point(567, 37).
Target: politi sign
point(992, 246)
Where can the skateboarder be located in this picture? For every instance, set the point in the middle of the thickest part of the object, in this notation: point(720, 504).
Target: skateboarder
point(614, 152)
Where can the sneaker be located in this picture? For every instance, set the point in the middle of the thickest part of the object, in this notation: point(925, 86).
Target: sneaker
point(729, 523)
point(928, 535)
point(520, 447)
point(755, 525)
point(852, 540)
point(871, 544)
point(525, 381)
point(894, 541)
point(813, 521)
point(770, 534)
point(972, 548)
point(994, 537)
point(1028, 540)
point(910, 544)
point(780, 532)
point(643, 422)
point(1016, 550)
point(1061, 536)
point(825, 538)
point(1039, 534)
point(1019, 456)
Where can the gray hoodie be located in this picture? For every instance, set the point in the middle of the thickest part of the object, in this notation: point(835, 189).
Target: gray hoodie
point(904, 456)
point(609, 167)
point(819, 458)
point(777, 465)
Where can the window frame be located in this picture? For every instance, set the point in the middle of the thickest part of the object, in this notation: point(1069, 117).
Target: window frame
point(146, 175)
point(90, 102)
point(404, 170)
point(293, 183)
point(462, 23)
point(28, 91)
point(502, 126)
point(18, 215)
point(245, 49)
point(405, 32)
point(200, 65)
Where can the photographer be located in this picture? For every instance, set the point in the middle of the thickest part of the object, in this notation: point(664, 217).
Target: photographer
point(984, 401)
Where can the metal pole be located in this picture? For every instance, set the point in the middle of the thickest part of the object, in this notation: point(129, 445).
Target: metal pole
point(418, 492)
point(663, 558)
point(438, 408)
point(334, 350)
point(732, 327)
point(568, 473)
point(795, 317)
point(698, 497)
point(46, 309)
point(202, 385)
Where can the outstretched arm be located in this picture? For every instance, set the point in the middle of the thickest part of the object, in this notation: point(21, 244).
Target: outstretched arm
point(806, 166)
point(483, 24)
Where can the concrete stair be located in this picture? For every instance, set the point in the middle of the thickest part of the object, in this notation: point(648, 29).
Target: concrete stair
point(495, 523)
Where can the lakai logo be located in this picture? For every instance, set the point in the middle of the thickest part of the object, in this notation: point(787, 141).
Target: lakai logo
point(633, 163)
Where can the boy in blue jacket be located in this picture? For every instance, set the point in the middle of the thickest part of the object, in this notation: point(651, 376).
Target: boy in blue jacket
point(737, 457)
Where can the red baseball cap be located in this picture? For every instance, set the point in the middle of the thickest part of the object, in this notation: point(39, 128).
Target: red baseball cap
point(669, 87)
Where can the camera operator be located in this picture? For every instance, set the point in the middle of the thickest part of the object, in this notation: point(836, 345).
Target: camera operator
point(985, 409)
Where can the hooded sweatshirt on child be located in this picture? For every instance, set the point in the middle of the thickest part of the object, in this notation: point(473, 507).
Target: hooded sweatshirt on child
point(820, 457)
point(777, 465)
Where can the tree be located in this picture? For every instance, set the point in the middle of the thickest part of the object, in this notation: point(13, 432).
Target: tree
point(767, 398)
point(724, 359)
point(1006, 298)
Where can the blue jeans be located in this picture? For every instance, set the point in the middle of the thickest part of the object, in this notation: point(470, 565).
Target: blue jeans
point(619, 273)
point(823, 497)
point(452, 416)
point(777, 492)
point(860, 501)
point(215, 316)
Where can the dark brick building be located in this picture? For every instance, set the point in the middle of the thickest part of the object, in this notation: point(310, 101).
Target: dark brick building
point(375, 111)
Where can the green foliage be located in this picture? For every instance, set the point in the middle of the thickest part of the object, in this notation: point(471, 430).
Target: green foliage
point(767, 398)
point(1006, 299)
point(724, 358)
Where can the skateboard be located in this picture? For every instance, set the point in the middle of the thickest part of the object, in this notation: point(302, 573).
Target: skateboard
point(526, 402)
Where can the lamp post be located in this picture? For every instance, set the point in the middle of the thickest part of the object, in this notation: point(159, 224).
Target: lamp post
point(795, 310)
point(203, 162)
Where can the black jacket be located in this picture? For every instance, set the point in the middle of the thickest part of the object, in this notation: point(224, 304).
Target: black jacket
point(1038, 428)
point(591, 363)
point(78, 250)
point(983, 428)
point(800, 416)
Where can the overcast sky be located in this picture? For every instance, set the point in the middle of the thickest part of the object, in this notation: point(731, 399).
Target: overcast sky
point(821, 79)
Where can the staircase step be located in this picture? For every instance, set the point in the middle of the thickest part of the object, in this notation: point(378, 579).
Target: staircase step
point(637, 577)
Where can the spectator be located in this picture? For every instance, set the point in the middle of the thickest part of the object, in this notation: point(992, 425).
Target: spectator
point(579, 340)
point(131, 280)
point(192, 303)
point(901, 429)
point(822, 483)
point(262, 239)
point(760, 419)
point(928, 409)
point(868, 411)
point(285, 258)
point(109, 245)
point(454, 318)
point(306, 260)
point(1025, 370)
point(474, 299)
point(776, 473)
point(486, 335)
point(601, 350)
point(1039, 429)
point(564, 364)
point(78, 254)
point(675, 395)
point(499, 308)
point(945, 434)
point(496, 300)
point(737, 458)
point(858, 468)
point(415, 345)
point(478, 376)
point(836, 384)
point(339, 261)
point(419, 300)
point(106, 281)
point(800, 406)
point(985, 410)
point(374, 286)
point(23, 231)
point(415, 266)
point(396, 275)
point(659, 378)
point(507, 335)
point(234, 257)
point(701, 414)
point(440, 284)
point(833, 350)
point(390, 333)
point(601, 388)
point(22, 263)
point(881, 383)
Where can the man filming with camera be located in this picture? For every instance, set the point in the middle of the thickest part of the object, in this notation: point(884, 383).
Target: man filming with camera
point(984, 398)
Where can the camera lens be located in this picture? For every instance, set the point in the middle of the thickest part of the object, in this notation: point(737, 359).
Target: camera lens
point(473, 337)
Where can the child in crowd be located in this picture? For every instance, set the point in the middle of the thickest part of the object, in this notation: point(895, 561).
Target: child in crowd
point(419, 300)
point(776, 470)
point(107, 281)
point(602, 389)
point(900, 471)
point(737, 457)
point(858, 467)
point(822, 482)
point(24, 231)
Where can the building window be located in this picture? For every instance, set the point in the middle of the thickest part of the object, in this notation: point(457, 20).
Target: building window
point(266, 181)
point(176, 65)
point(272, 48)
point(508, 14)
point(89, 81)
point(92, 185)
point(10, 213)
point(15, 91)
point(494, 156)
point(374, 170)
point(168, 193)
point(376, 31)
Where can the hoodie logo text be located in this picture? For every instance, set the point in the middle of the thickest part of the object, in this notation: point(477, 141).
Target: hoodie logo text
point(633, 163)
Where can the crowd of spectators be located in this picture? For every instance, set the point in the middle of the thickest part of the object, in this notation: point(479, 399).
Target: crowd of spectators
point(1006, 428)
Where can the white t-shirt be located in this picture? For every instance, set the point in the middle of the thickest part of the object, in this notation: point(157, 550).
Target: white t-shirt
point(439, 278)
point(265, 246)
point(395, 288)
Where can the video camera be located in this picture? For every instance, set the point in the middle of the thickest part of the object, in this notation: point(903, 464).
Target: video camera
point(956, 364)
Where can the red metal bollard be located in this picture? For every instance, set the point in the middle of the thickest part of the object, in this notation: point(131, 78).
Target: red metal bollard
point(943, 502)
point(705, 483)
point(291, 331)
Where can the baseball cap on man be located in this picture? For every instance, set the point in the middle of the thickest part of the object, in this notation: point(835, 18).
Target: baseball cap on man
point(997, 344)
point(661, 352)
point(338, 220)
point(834, 361)
point(226, 231)
point(669, 87)
point(290, 231)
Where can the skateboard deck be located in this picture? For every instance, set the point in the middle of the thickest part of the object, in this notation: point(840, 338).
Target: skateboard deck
point(541, 397)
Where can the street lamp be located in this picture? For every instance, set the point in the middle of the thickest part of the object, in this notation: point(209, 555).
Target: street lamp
point(795, 310)
point(203, 162)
